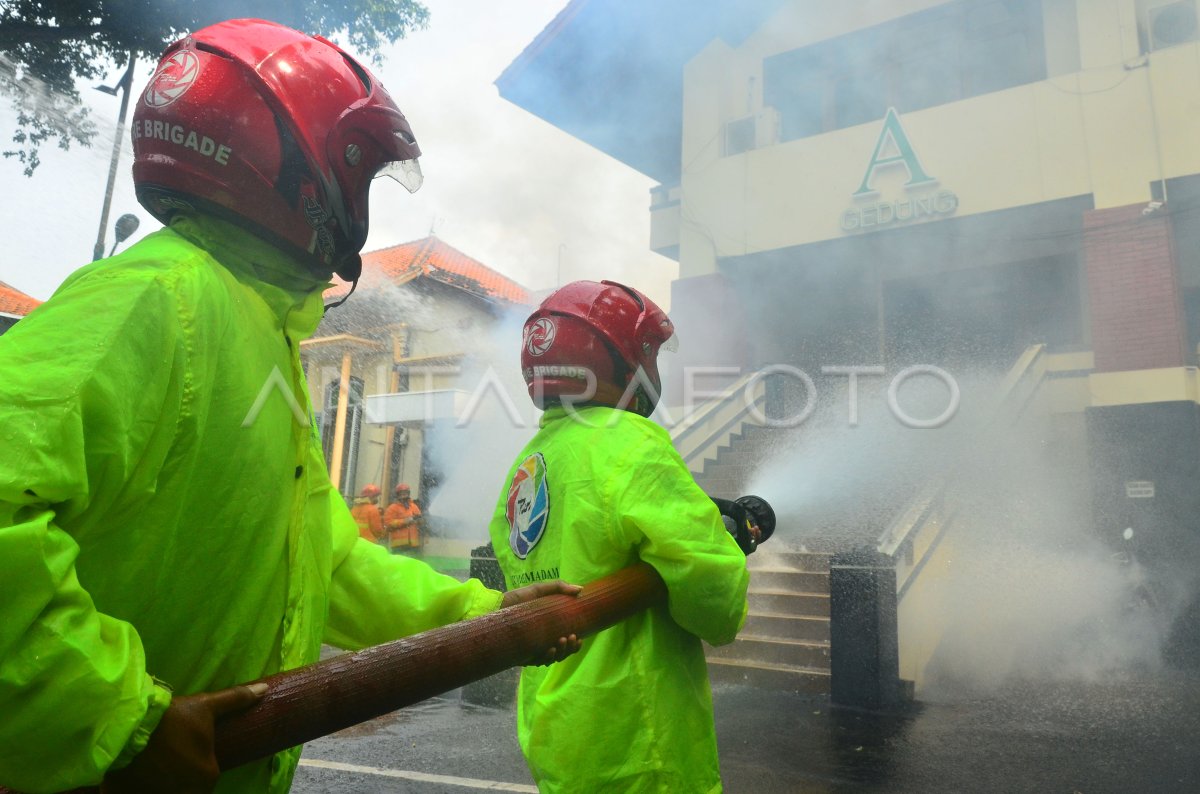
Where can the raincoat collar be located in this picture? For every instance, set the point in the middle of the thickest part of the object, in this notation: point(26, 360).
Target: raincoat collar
point(552, 414)
point(556, 412)
point(286, 286)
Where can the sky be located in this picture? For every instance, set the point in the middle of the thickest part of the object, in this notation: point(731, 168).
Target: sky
point(500, 184)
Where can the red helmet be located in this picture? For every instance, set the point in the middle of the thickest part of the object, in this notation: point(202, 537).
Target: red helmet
point(370, 490)
point(603, 330)
point(403, 488)
point(275, 130)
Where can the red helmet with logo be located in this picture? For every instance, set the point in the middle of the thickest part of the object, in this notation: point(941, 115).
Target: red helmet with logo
point(370, 490)
point(596, 336)
point(275, 130)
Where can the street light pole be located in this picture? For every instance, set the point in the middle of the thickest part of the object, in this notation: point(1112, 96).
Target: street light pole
point(123, 85)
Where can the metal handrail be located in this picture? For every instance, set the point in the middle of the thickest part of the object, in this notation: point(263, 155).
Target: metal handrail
point(927, 510)
point(707, 429)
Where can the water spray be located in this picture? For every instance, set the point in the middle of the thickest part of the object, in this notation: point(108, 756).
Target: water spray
point(327, 696)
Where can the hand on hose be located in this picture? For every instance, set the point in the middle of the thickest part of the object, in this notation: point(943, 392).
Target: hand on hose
point(180, 757)
point(566, 645)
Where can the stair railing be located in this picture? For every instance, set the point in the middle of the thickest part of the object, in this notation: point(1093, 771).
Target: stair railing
point(704, 431)
point(914, 537)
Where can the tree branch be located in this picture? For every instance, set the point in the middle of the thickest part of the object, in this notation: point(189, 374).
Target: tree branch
point(15, 33)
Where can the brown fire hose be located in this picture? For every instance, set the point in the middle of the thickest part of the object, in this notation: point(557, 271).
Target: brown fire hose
point(313, 701)
point(327, 696)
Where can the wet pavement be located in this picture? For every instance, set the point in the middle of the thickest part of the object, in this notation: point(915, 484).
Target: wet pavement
point(1123, 734)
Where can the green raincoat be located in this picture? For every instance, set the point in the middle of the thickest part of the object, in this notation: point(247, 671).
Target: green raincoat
point(166, 516)
point(632, 711)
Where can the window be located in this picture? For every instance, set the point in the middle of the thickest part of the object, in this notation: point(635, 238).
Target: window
point(923, 80)
point(795, 84)
point(1002, 47)
point(942, 55)
point(801, 110)
point(858, 98)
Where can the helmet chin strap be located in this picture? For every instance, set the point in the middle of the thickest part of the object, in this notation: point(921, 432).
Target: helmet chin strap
point(353, 286)
point(642, 404)
point(354, 269)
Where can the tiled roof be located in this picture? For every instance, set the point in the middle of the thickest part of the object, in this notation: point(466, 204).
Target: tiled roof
point(432, 258)
point(13, 301)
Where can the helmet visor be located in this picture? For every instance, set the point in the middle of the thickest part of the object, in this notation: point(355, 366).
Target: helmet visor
point(406, 172)
point(671, 345)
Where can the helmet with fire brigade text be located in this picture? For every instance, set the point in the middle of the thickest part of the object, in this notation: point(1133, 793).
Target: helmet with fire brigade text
point(275, 130)
point(598, 343)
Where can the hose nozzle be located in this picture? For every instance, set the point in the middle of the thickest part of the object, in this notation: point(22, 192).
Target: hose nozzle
point(749, 519)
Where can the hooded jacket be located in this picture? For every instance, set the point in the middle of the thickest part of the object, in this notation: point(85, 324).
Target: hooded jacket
point(167, 521)
point(592, 493)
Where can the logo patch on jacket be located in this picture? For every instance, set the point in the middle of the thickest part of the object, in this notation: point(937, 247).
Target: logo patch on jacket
point(528, 506)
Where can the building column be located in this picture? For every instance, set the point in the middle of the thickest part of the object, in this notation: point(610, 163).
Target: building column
point(339, 425)
point(389, 440)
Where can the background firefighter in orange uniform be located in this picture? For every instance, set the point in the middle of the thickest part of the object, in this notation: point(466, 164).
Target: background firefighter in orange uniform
point(366, 513)
point(402, 521)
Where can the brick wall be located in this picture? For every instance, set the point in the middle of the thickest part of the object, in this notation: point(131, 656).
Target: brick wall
point(1137, 314)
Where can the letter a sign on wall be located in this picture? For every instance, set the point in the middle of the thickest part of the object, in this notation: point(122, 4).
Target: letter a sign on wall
point(893, 148)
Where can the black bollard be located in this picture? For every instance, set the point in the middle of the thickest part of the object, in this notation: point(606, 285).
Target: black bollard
point(486, 568)
point(864, 655)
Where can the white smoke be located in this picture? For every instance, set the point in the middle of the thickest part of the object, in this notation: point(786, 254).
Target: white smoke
point(1030, 592)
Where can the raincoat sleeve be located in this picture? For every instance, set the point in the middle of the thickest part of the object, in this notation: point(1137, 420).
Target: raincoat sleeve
point(377, 597)
point(79, 379)
point(676, 528)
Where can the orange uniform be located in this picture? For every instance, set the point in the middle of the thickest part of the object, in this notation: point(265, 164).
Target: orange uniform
point(401, 523)
point(370, 523)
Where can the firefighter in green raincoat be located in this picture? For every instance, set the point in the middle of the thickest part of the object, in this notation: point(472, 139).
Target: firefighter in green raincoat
point(598, 488)
point(167, 524)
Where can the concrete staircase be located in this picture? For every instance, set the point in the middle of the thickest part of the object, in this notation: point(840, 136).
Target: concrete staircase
point(784, 645)
point(729, 475)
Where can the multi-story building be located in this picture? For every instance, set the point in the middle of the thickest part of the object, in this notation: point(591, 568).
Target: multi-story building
point(416, 328)
point(925, 182)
